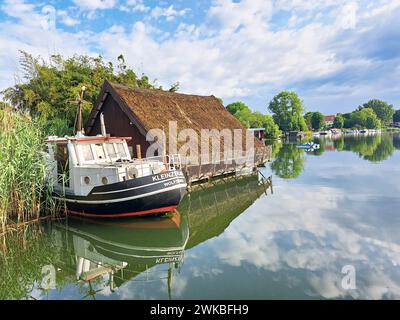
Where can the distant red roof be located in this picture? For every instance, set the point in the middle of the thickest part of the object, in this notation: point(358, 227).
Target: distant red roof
point(330, 118)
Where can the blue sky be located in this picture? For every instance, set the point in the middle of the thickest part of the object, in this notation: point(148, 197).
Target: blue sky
point(335, 54)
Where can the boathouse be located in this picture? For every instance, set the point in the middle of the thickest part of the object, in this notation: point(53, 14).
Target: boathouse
point(259, 133)
point(132, 112)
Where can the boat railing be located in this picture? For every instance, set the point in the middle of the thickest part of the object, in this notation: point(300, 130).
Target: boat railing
point(171, 162)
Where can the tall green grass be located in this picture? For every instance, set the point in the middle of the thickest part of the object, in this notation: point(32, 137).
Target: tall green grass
point(22, 168)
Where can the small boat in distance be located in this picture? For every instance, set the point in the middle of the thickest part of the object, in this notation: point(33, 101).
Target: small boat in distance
point(309, 146)
point(95, 176)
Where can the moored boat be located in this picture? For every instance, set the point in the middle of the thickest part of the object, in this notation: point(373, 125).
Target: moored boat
point(96, 176)
point(309, 146)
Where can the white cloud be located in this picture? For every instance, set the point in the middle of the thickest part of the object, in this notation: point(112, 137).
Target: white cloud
point(92, 5)
point(66, 19)
point(347, 16)
point(304, 231)
point(247, 13)
point(239, 50)
point(134, 6)
point(32, 33)
point(225, 61)
point(170, 13)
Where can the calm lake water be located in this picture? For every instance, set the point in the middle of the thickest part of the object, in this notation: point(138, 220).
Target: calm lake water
point(332, 210)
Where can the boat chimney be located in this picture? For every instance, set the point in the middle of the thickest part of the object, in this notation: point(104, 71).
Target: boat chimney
point(103, 126)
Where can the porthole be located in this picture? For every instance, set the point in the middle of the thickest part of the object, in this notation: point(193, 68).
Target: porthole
point(104, 180)
point(86, 180)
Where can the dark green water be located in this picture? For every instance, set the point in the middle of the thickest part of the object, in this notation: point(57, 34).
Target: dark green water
point(332, 210)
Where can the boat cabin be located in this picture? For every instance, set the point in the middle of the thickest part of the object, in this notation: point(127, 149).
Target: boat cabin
point(78, 164)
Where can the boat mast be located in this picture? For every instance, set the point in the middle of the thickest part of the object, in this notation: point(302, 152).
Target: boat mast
point(79, 129)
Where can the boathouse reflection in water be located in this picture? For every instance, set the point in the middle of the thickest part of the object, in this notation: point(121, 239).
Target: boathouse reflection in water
point(111, 253)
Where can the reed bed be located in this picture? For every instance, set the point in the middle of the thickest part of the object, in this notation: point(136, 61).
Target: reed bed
point(22, 168)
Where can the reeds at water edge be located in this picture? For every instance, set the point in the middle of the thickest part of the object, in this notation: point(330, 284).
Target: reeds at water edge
point(23, 195)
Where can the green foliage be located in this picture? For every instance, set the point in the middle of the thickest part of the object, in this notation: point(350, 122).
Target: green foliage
point(287, 109)
point(289, 162)
point(307, 119)
point(26, 251)
point(276, 147)
point(317, 121)
point(174, 87)
point(51, 89)
point(396, 116)
point(365, 118)
point(236, 106)
point(4, 105)
point(245, 116)
point(382, 109)
point(396, 142)
point(271, 128)
point(374, 148)
point(339, 121)
point(256, 119)
point(23, 170)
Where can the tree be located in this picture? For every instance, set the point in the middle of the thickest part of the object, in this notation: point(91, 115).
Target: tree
point(317, 121)
point(287, 109)
point(382, 109)
point(256, 119)
point(365, 118)
point(396, 116)
point(51, 89)
point(245, 116)
point(339, 121)
point(307, 119)
point(271, 128)
point(236, 106)
point(4, 105)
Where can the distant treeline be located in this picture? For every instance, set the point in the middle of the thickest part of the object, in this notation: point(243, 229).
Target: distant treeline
point(287, 115)
point(289, 160)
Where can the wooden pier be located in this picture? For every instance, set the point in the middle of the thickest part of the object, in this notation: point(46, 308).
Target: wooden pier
point(204, 172)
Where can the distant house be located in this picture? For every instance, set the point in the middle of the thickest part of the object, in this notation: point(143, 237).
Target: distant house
point(259, 133)
point(329, 120)
point(132, 112)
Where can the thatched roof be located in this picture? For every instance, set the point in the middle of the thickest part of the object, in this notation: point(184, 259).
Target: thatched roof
point(151, 108)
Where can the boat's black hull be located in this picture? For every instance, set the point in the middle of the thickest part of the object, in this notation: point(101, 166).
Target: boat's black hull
point(141, 196)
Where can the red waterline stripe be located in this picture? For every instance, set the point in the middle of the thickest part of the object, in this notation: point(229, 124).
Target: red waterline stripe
point(128, 214)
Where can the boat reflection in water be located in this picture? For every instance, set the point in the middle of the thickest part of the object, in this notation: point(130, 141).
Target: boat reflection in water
point(115, 252)
point(104, 255)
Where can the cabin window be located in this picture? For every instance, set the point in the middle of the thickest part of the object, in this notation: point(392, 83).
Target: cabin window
point(100, 151)
point(130, 148)
point(87, 152)
point(111, 151)
point(121, 150)
point(61, 157)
